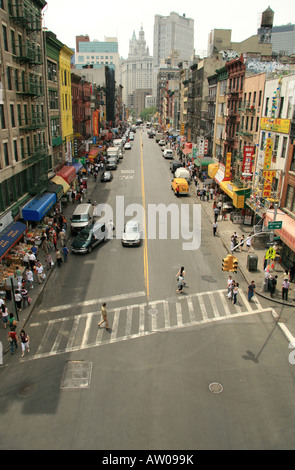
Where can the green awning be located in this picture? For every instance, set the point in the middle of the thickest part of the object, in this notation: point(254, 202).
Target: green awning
point(204, 161)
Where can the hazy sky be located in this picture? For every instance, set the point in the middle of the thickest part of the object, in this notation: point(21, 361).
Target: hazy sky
point(120, 18)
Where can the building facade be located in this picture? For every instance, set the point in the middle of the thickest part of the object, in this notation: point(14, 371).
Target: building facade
point(137, 69)
point(24, 160)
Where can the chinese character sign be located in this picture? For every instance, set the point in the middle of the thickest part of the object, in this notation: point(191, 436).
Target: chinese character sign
point(227, 167)
point(268, 154)
point(268, 177)
point(248, 161)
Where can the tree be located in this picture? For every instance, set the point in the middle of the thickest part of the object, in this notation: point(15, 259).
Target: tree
point(147, 113)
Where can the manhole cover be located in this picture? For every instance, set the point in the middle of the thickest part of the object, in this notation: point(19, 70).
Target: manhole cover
point(153, 311)
point(27, 390)
point(77, 375)
point(215, 387)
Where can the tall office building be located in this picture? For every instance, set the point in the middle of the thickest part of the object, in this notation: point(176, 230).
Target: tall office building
point(283, 39)
point(173, 34)
point(97, 54)
point(137, 69)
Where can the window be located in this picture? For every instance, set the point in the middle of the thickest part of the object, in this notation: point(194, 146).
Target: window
point(8, 72)
point(281, 107)
point(4, 33)
point(15, 150)
point(260, 98)
point(2, 117)
point(6, 156)
point(12, 35)
point(12, 115)
point(266, 107)
point(284, 147)
point(257, 124)
point(2, 4)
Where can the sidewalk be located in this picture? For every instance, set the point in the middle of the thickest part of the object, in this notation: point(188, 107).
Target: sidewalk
point(34, 293)
point(225, 230)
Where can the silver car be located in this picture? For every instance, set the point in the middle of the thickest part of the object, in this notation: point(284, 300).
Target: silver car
point(132, 234)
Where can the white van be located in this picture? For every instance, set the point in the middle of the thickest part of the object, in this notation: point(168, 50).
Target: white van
point(168, 153)
point(82, 217)
point(182, 173)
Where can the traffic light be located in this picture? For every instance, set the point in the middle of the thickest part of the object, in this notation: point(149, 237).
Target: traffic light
point(235, 265)
point(225, 264)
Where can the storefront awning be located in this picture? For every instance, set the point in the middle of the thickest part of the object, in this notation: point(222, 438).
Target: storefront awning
point(77, 166)
point(205, 161)
point(60, 181)
point(56, 188)
point(238, 195)
point(287, 232)
point(38, 207)
point(10, 236)
point(68, 173)
point(212, 169)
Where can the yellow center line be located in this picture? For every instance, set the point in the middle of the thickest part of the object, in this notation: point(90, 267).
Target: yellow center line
point(145, 251)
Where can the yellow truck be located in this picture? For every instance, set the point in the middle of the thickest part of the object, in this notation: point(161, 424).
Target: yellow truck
point(179, 186)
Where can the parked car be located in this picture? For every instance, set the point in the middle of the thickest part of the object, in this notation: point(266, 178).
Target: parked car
point(174, 166)
point(89, 237)
point(111, 163)
point(127, 146)
point(168, 153)
point(162, 142)
point(106, 176)
point(132, 234)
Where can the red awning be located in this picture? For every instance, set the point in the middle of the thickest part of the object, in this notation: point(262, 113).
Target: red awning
point(68, 173)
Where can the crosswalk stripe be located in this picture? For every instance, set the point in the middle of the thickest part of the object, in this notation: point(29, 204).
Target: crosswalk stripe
point(141, 319)
point(179, 314)
point(128, 321)
point(86, 331)
point(71, 333)
point(224, 301)
point(191, 310)
point(203, 308)
point(215, 308)
point(115, 323)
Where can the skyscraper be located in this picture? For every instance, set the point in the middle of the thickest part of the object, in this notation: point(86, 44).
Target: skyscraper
point(137, 69)
point(173, 34)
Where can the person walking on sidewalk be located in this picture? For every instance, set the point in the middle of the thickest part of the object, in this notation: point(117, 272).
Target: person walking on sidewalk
point(235, 293)
point(65, 252)
point(285, 289)
point(24, 342)
point(104, 315)
point(251, 290)
point(248, 243)
point(13, 340)
point(215, 225)
point(58, 258)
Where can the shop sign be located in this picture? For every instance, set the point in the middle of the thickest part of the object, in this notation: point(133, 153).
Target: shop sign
point(238, 201)
point(227, 166)
point(268, 177)
point(220, 173)
point(275, 125)
point(248, 161)
point(182, 129)
point(268, 154)
point(95, 123)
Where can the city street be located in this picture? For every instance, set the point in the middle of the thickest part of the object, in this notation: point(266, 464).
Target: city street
point(186, 371)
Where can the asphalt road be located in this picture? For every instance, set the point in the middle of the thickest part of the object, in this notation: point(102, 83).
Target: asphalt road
point(148, 381)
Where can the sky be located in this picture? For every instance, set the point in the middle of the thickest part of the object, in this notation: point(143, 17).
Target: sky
point(119, 18)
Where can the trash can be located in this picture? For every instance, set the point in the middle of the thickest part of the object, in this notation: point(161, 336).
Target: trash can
point(252, 262)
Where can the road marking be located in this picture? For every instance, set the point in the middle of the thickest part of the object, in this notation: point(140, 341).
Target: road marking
point(73, 333)
point(215, 308)
point(224, 304)
point(86, 330)
point(86, 303)
point(100, 342)
point(191, 310)
point(145, 250)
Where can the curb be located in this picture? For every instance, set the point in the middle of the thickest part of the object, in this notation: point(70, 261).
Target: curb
point(257, 292)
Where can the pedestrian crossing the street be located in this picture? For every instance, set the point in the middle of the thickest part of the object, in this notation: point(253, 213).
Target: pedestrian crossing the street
point(77, 332)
